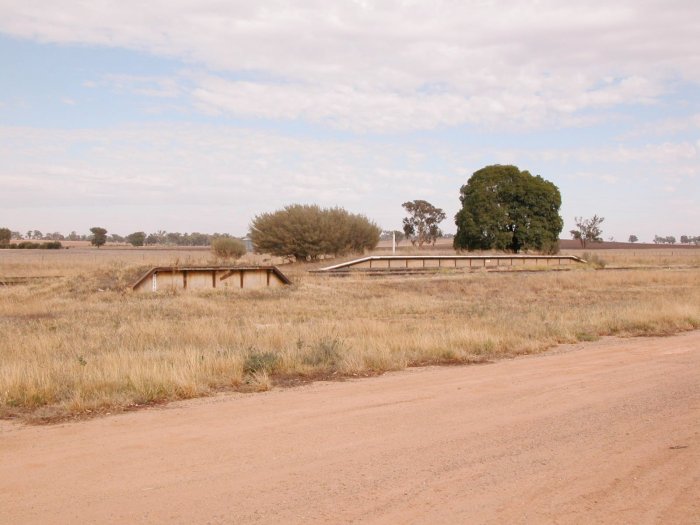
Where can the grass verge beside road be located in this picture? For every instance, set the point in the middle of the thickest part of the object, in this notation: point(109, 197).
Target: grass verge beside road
point(69, 350)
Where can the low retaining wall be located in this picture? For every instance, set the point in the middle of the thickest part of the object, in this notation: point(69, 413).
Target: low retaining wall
point(210, 277)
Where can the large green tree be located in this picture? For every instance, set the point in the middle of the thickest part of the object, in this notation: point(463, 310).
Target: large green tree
point(308, 232)
point(504, 208)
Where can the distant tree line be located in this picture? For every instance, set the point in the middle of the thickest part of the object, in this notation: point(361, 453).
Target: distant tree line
point(670, 239)
point(182, 239)
point(160, 237)
point(30, 245)
point(388, 235)
point(164, 238)
point(690, 239)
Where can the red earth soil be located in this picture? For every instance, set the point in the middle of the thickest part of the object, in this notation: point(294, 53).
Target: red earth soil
point(605, 432)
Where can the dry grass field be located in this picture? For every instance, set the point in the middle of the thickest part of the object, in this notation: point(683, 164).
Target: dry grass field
point(79, 342)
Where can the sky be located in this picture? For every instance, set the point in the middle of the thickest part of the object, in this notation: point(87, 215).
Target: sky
point(197, 115)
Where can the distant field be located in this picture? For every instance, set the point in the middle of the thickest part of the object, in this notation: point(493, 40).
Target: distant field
point(611, 253)
point(74, 261)
point(80, 343)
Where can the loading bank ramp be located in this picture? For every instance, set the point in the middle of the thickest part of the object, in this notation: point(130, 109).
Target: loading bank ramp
point(406, 264)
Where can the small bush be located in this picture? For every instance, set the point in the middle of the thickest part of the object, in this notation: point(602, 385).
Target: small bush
point(325, 354)
point(594, 260)
point(587, 336)
point(257, 362)
point(228, 248)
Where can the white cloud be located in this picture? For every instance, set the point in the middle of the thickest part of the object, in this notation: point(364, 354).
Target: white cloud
point(150, 86)
point(373, 109)
point(243, 171)
point(664, 127)
point(336, 105)
point(395, 65)
point(380, 67)
point(669, 153)
point(209, 178)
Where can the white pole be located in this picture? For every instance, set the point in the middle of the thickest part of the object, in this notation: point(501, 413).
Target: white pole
point(393, 242)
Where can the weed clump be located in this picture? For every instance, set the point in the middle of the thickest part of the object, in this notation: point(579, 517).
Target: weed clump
point(326, 354)
point(257, 362)
point(594, 260)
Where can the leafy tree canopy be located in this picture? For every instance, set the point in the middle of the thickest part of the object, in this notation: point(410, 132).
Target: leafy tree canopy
point(99, 236)
point(421, 225)
point(504, 208)
point(308, 232)
point(136, 238)
point(5, 235)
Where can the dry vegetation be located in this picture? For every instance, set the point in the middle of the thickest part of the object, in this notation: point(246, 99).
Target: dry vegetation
point(82, 344)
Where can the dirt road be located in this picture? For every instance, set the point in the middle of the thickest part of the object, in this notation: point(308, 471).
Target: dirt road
point(607, 432)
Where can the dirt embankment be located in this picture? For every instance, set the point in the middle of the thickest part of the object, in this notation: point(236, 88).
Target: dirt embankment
point(607, 432)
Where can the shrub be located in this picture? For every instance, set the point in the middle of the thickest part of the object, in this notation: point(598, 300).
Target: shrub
point(593, 259)
point(326, 354)
point(257, 362)
point(228, 248)
point(308, 232)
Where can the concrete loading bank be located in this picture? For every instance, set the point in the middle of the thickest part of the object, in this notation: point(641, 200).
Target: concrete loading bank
point(210, 277)
point(427, 263)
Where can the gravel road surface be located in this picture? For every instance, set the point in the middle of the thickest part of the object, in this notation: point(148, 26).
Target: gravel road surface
point(604, 432)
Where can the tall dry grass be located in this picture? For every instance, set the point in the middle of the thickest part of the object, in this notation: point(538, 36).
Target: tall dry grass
point(648, 257)
point(81, 260)
point(68, 349)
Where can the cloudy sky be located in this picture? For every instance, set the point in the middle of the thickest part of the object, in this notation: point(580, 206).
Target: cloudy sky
point(195, 115)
